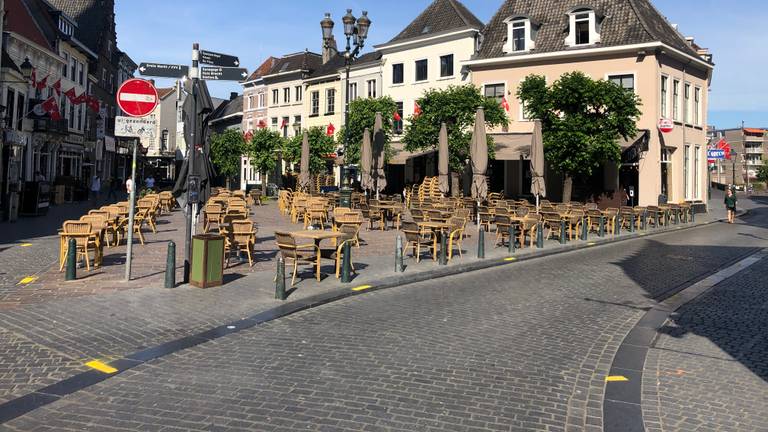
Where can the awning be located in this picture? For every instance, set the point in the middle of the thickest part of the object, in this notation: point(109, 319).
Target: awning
point(401, 155)
point(511, 146)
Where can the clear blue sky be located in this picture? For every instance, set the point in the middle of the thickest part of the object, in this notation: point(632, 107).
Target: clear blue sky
point(164, 30)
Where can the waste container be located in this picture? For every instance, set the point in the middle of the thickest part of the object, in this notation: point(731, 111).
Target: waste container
point(207, 261)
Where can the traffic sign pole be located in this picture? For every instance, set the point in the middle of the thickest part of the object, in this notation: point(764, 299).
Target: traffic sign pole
point(131, 211)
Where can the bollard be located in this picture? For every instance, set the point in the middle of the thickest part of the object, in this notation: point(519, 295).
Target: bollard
point(399, 255)
point(601, 227)
point(443, 259)
point(280, 279)
point(644, 222)
point(170, 266)
point(346, 264)
point(677, 216)
point(632, 222)
point(511, 232)
point(693, 215)
point(539, 236)
point(562, 232)
point(71, 260)
point(481, 244)
point(584, 229)
point(617, 225)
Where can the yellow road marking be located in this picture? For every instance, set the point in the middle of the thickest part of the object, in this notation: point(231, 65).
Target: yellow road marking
point(25, 244)
point(510, 259)
point(27, 280)
point(614, 378)
point(362, 288)
point(101, 367)
point(591, 244)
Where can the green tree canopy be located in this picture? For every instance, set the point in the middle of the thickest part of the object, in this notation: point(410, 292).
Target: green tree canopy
point(320, 145)
point(762, 172)
point(456, 106)
point(226, 149)
point(362, 115)
point(582, 120)
point(261, 149)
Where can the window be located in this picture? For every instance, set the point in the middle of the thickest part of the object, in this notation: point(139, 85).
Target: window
point(330, 101)
point(65, 66)
point(22, 111)
point(352, 91)
point(676, 100)
point(627, 82)
point(10, 100)
point(71, 116)
point(79, 114)
point(584, 29)
point(81, 73)
point(397, 125)
point(397, 73)
point(274, 123)
point(297, 124)
point(664, 91)
point(250, 102)
point(275, 97)
point(421, 70)
point(164, 140)
point(494, 91)
point(73, 68)
point(284, 126)
point(696, 158)
point(687, 103)
point(518, 34)
point(287, 95)
point(697, 106)
point(686, 162)
point(371, 88)
point(315, 103)
point(262, 100)
point(249, 125)
point(581, 29)
point(446, 66)
point(298, 94)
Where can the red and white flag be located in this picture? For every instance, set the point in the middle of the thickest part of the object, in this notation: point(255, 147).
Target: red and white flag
point(57, 87)
point(397, 116)
point(43, 83)
point(71, 95)
point(505, 104)
point(284, 123)
point(48, 107)
point(262, 124)
point(93, 103)
point(416, 109)
point(83, 98)
point(330, 130)
point(33, 78)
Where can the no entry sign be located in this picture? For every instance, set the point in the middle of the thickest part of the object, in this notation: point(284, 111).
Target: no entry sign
point(666, 125)
point(137, 97)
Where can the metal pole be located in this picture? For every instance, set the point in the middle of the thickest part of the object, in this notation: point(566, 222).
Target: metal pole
point(191, 153)
point(170, 266)
point(131, 205)
point(345, 197)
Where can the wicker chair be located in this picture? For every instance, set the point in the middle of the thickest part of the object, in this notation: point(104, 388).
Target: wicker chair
point(306, 253)
point(243, 239)
point(456, 235)
point(415, 239)
point(81, 231)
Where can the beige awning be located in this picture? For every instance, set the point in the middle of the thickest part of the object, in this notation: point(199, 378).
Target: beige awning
point(510, 146)
point(401, 155)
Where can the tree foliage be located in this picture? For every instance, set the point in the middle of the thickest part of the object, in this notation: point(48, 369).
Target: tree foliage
point(762, 172)
point(362, 115)
point(582, 120)
point(261, 150)
point(226, 149)
point(320, 145)
point(456, 106)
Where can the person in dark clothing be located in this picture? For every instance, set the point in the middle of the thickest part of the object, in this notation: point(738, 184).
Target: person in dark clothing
point(730, 204)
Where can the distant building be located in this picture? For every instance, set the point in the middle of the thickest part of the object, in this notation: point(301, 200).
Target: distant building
point(255, 116)
point(750, 146)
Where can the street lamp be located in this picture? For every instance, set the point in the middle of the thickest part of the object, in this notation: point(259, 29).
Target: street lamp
point(733, 168)
point(355, 31)
point(26, 73)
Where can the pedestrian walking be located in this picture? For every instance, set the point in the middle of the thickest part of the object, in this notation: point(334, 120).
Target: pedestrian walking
point(730, 204)
point(150, 182)
point(95, 189)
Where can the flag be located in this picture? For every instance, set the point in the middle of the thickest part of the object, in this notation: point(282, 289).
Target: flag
point(71, 95)
point(397, 116)
point(57, 87)
point(49, 107)
point(330, 130)
point(505, 104)
point(43, 83)
point(34, 78)
point(725, 147)
point(262, 124)
point(416, 109)
point(247, 136)
point(284, 123)
point(92, 103)
point(83, 98)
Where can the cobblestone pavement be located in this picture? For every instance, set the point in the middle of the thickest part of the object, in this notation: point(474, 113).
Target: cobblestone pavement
point(522, 347)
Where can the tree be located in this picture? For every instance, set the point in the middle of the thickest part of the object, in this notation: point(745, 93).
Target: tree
point(762, 173)
point(261, 151)
point(226, 149)
point(456, 106)
point(320, 146)
point(362, 115)
point(582, 120)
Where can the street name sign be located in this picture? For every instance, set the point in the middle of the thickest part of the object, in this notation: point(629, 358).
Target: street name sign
point(137, 97)
point(218, 59)
point(162, 70)
point(136, 127)
point(223, 73)
point(715, 154)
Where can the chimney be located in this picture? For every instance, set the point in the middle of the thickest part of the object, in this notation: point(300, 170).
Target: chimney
point(329, 50)
point(232, 95)
point(689, 40)
point(151, 81)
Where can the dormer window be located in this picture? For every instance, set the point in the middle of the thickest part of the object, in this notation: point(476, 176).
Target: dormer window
point(583, 28)
point(65, 27)
point(520, 35)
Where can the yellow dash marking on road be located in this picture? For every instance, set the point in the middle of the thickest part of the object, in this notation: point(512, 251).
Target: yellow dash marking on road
point(362, 288)
point(591, 244)
point(27, 280)
point(510, 259)
point(614, 378)
point(101, 367)
point(25, 244)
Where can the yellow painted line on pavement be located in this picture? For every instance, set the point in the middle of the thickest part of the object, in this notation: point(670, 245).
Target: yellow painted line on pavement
point(616, 378)
point(27, 280)
point(362, 287)
point(25, 244)
point(101, 367)
point(591, 244)
point(510, 259)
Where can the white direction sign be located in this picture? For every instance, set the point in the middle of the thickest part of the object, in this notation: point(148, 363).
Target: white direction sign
point(136, 127)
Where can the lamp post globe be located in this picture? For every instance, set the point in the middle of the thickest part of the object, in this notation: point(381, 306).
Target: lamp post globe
point(327, 26)
point(26, 69)
point(349, 23)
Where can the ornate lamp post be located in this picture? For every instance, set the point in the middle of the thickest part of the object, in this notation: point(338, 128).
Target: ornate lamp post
point(355, 31)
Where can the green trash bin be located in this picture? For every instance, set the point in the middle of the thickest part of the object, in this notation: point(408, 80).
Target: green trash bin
point(207, 261)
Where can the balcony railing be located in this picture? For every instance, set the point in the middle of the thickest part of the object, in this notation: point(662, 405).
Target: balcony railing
point(753, 150)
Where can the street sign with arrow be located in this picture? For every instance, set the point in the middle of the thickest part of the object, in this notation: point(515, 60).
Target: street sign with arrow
point(163, 70)
point(223, 73)
point(218, 59)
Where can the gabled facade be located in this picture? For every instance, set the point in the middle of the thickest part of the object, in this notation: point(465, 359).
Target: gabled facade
point(255, 116)
point(625, 41)
point(285, 91)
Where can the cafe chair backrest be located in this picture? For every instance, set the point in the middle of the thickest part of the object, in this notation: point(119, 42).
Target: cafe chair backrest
point(96, 221)
point(80, 229)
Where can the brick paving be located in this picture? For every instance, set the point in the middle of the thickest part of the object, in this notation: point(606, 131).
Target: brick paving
point(525, 346)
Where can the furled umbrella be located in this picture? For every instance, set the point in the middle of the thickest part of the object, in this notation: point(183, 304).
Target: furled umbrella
point(442, 156)
point(380, 178)
point(304, 165)
point(479, 154)
point(538, 186)
point(366, 162)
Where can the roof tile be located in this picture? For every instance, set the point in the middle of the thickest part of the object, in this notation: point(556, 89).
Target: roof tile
point(440, 16)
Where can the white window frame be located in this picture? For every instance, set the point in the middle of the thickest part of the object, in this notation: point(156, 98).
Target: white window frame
point(416, 69)
point(328, 93)
point(286, 95)
point(314, 108)
point(262, 100)
point(529, 41)
point(371, 88)
point(696, 173)
point(440, 66)
point(250, 102)
point(352, 89)
point(608, 77)
point(664, 96)
point(687, 87)
point(275, 97)
point(686, 171)
point(697, 105)
point(298, 93)
point(594, 30)
point(676, 99)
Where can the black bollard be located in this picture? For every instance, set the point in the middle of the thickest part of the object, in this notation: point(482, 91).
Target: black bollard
point(677, 216)
point(601, 227)
point(632, 222)
point(481, 243)
point(443, 258)
point(346, 264)
point(280, 279)
point(584, 228)
point(170, 266)
point(644, 222)
point(617, 225)
point(511, 232)
point(539, 236)
point(693, 215)
point(399, 255)
point(71, 260)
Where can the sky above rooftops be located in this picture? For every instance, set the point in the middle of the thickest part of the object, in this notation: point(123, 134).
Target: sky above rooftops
point(163, 31)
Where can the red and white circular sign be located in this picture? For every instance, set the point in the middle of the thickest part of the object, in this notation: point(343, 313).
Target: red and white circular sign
point(666, 125)
point(137, 97)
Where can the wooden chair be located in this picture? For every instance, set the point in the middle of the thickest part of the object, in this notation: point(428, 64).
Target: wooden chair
point(316, 212)
point(373, 215)
point(503, 223)
point(415, 239)
point(456, 235)
point(148, 204)
point(306, 253)
point(243, 238)
point(81, 231)
point(552, 223)
point(211, 215)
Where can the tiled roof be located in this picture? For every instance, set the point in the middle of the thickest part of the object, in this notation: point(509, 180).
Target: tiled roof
point(330, 67)
point(306, 60)
point(263, 69)
point(162, 93)
point(371, 57)
point(440, 16)
point(91, 16)
point(228, 108)
point(624, 22)
point(21, 21)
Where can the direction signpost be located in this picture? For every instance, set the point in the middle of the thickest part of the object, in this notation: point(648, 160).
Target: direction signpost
point(212, 73)
point(162, 70)
point(218, 59)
